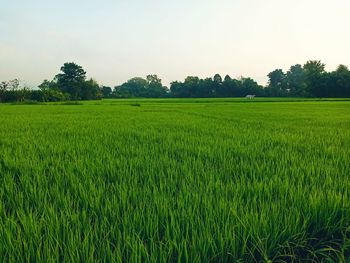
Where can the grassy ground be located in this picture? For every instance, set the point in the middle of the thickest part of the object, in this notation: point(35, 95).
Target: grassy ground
point(189, 180)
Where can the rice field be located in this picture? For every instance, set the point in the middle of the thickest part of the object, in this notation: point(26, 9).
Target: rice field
point(206, 180)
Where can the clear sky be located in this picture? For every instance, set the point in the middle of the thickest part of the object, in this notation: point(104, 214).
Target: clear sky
point(115, 40)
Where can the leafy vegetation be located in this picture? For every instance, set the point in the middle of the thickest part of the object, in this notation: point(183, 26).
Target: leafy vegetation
point(178, 180)
point(310, 80)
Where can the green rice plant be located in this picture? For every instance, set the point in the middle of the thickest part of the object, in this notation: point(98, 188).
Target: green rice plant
point(192, 180)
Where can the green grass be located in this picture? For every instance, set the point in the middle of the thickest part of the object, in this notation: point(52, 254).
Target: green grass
point(192, 180)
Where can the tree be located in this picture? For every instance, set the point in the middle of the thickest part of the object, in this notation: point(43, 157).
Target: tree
point(315, 78)
point(3, 88)
point(90, 90)
point(23, 94)
point(216, 90)
point(217, 79)
point(314, 67)
point(308, 80)
point(106, 91)
point(339, 82)
point(296, 81)
point(176, 89)
point(134, 87)
point(342, 69)
point(11, 91)
point(153, 80)
point(70, 84)
point(46, 87)
point(227, 78)
point(71, 80)
point(206, 88)
point(277, 79)
point(250, 86)
point(191, 86)
point(231, 87)
point(14, 84)
point(155, 89)
point(151, 87)
point(51, 92)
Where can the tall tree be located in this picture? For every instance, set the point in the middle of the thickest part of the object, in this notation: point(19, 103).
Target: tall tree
point(217, 90)
point(250, 86)
point(71, 80)
point(277, 79)
point(106, 91)
point(191, 86)
point(207, 88)
point(315, 78)
point(231, 87)
point(339, 85)
point(15, 93)
point(177, 89)
point(3, 88)
point(155, 89)
point(51, 92)
point(90, 90)
point(217, 78)
point(134, 87)
point(227, 78)
point(296, 81)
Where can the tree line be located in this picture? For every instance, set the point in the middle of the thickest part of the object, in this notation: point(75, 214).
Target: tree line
point(70, 84)
point(308, 80)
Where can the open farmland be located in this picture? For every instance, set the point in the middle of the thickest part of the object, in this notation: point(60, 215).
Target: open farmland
point(175, 180)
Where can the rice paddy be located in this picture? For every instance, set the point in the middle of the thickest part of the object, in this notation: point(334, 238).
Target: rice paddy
point(211, 180)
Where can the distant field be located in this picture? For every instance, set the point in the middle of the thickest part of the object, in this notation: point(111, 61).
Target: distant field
point(175, 180)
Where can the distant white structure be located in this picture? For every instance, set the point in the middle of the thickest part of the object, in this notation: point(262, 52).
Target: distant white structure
point(250, 97)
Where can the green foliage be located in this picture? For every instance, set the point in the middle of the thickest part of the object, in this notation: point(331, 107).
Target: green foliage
point(134, 87)
point(71, 80)
point(70, 84)
point(176, 180)
point(339, 82)
point(151, 87)
point(50, 92)
point(194, 87)
point(296, 81)
point(315, 78)
point(11, 91)
point(277, 79)
point(91, 90)
point(106, 91)
point(310, 80)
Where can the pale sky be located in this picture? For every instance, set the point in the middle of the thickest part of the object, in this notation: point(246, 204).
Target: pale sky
point(116, 40)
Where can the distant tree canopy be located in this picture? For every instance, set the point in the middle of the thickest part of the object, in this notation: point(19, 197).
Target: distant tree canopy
point(69, 84)
point(214, 87)
point(151, 87)
point(72, 82)
point(10, 91)
point(309, 80)
point(106, 91)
